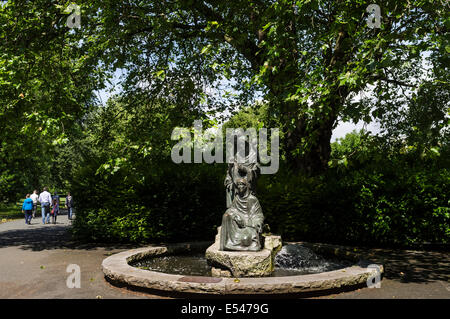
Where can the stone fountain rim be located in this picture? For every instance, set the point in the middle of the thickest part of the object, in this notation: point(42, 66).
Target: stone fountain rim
point(117, 269)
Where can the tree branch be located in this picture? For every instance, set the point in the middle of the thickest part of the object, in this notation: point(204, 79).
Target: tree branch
point(393, 81)
point(238, 40)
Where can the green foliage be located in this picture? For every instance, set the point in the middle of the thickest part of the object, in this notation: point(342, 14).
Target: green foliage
point(379, 197)
point(255, 116)
point(47, 81)
point(425, 122)
point(131, 189)
point(307, 59)
point(11, 211)
point(174, 203)
point(384, 195)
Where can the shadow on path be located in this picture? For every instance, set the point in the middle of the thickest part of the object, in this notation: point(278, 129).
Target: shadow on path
point(38, 237)
point(409, 266)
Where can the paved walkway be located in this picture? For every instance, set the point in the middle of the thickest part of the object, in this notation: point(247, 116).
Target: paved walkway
point(34, 259)
point(408, 274)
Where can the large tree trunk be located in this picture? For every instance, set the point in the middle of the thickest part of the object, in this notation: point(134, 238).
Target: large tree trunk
point(307, 145)
point(307, 139)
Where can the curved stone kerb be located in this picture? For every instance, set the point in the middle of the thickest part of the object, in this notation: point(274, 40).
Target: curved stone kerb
point(116, 268)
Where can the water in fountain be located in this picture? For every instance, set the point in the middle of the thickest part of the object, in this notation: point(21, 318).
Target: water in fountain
point(305, 260)
point(290, 261)
point(192, 265)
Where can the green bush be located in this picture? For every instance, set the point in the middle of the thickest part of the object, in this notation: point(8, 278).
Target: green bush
point(380, 195)
point(374, 197)
point(171, 203)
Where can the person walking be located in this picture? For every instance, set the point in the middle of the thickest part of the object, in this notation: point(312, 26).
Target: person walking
point(34, 197)
point(27, 208)
point(55, 210)
point(55, 196)
point(69, 205)
point(46, 201)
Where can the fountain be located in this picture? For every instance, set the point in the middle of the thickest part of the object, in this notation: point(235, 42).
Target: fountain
point(243, 259)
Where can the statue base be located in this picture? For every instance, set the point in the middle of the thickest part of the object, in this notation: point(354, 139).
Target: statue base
point(243, 263)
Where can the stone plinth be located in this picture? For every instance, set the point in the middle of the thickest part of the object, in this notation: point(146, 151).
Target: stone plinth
point(243, 263)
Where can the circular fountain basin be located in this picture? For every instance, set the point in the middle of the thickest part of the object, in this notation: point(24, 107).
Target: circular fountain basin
point(119, 268)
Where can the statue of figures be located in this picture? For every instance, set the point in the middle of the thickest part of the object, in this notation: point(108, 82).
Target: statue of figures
point(242, 223)
point(248, 170)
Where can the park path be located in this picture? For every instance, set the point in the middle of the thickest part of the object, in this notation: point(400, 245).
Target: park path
point(409, 274)
point(34, 259)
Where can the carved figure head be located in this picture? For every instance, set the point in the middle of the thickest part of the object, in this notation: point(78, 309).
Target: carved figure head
point(242, 186)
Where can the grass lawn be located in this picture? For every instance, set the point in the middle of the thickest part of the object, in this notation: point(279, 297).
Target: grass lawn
point(14, 211)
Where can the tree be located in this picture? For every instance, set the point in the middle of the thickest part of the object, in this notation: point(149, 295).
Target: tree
point(424, 122)
point(309, 59)
point(47, 84)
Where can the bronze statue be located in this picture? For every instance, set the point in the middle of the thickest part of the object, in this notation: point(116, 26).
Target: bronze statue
point(248, 170)
point(243, 221)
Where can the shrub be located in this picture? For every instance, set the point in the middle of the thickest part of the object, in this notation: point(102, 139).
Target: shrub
point(375, 197)
point(171, 203)
point(378, 196)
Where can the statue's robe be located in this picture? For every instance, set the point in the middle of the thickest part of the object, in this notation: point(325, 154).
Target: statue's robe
point(246, 237)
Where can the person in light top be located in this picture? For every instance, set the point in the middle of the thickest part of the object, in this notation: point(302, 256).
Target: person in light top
point(34, 197)
point(45, 198)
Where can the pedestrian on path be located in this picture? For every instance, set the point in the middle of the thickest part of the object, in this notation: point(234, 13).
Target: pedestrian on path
point(69, 205)
point(34, 197)
point(55, 196)
point(46, 201)
point(27, 208)
point(55, 210)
